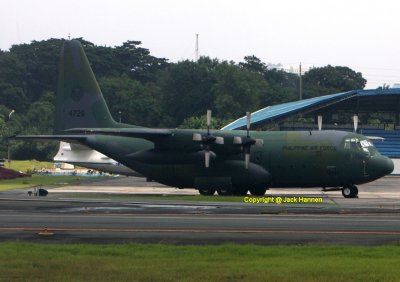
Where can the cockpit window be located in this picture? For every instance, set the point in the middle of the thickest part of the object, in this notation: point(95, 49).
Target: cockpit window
point(355, 143)
point(347, 144)
point(352, 143)
point(366, 143)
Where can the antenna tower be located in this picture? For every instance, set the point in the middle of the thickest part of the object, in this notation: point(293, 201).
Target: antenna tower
point(197, 47)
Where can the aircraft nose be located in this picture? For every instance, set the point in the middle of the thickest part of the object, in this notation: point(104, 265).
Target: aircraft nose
point(380, 166)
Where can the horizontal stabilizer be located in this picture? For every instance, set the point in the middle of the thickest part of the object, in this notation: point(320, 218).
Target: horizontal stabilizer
point(46, 138)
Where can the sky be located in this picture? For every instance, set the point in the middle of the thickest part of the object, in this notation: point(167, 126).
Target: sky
point(363, 35)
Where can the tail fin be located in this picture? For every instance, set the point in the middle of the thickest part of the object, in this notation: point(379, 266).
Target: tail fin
point(80, 102)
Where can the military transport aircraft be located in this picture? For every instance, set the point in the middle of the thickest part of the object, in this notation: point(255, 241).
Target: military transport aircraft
point(80, 155)
point(229, 162)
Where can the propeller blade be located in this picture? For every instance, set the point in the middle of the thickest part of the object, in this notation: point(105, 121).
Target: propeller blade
point(237, 140)
point(248, 117)
point(208, 118)
point(259, 142)
point(197, 137)
point(246, 141)
point(207, 158)
point(355, 120)
point(247, 160)
point(219, 140)
point(319, 122)
point(207, 140)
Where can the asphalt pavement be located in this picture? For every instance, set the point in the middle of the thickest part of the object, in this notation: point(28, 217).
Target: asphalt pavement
point(62, 217)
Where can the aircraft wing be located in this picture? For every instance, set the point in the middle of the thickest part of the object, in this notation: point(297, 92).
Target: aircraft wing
point(151, 134)
point(66, 138)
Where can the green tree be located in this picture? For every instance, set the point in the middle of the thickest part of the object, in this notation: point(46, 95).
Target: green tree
point(41, 59)
point(253, 63)
point(200, 122)
point(38, 120)
point(12, 69)
point(12, 82)
point(132, 101)
point(283, 87)
point(237, 90)
point(330, 80)
point(41, 117)
point(137, 61)
point(13, 97)
point(187, 88)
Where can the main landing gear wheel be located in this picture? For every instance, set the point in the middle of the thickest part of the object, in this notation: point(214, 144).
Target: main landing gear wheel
point(207, 192)
point(258, 191)
point(350, 191)
point(240, 191)
point(224, 192)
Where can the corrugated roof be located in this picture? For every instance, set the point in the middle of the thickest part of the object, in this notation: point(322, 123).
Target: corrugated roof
point(378, 92)
point(287, 109)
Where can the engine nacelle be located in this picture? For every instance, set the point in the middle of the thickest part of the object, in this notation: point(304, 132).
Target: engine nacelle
point(236, 176)
point(254, 176)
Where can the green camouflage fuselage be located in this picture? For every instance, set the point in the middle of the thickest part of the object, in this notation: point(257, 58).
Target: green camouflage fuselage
point(287, 159)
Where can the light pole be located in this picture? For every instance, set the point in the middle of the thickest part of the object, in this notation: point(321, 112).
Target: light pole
point(119, 112)
point(8, 142)
point(10, 114)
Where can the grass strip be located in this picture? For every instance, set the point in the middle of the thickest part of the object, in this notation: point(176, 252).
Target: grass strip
point(38, 180)
point(159, 262)
point(28, 165)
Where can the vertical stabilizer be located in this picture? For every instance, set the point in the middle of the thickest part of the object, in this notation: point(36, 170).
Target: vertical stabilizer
point(80, 102)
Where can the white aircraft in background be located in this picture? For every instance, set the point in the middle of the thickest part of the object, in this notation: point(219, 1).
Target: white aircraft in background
point(83, 156)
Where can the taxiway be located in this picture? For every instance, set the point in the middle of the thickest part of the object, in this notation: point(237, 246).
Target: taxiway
point(373, 218)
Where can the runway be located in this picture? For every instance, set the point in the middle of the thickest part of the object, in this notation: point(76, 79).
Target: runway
point(369, 220)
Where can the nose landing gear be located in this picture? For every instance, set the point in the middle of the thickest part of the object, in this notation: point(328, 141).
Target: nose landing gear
point(350, 191)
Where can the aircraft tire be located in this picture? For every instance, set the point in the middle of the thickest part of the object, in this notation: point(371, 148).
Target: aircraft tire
point(350, 191)
point(207, 192)
point(224, 192)
point(240, 191)
point(258, 191)
point(356, 190)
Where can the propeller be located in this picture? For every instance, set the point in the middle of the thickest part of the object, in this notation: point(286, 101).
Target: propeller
point(319, 122)
point(207, 139)
point(355, 121)
point(246, 142)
